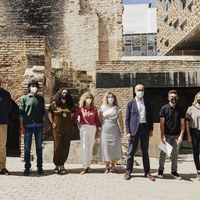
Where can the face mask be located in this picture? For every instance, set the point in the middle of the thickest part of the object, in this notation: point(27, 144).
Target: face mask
point(110, 100)
point(33, 89)
point(198, 101)
point(139, 94)
point(88, 101)
point(173, 100)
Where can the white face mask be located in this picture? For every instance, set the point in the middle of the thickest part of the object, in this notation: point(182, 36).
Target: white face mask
point(139, 94)
point(33, 89)
point(88, 101)
point(110, 100)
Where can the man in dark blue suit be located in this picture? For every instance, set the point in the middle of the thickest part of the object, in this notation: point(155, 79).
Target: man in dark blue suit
point(139, 126)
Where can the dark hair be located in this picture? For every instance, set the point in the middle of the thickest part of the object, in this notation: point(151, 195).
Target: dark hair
point(69, 99)
point(33, 82)
point(173, 92)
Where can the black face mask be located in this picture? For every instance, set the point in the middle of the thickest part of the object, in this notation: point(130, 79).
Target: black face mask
point(63, 96)
point(173, 100)
point(198, 101)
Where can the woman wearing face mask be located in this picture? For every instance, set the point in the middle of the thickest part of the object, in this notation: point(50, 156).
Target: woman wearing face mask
point(88, 127)
point(110, 117)
point(193, 130)
point(32, 121)
point(60, 115)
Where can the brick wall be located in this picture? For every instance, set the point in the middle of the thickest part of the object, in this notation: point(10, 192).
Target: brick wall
point(18, 56)
point(80, 31)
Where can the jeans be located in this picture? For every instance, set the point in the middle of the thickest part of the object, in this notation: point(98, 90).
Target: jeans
point(142, 135)
point(38, 133)
point(195, 134)
point(172, 140)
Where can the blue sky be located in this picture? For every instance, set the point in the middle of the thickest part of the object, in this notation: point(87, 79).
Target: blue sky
point(140, 1)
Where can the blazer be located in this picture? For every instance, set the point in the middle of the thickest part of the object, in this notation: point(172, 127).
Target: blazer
point(132, 117)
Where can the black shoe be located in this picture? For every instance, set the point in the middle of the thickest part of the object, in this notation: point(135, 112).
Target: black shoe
point(4, 171)
point(160, 173)
point(176, 175)
point(26, 172)
point(40, 171)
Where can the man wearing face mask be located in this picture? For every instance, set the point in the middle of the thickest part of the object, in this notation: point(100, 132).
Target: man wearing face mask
point(32, 121)
point(172, 126)
point(139, 126)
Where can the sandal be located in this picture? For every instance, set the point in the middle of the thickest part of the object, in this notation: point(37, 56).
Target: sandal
point(56, 170)
point(107, 170)
point(62, 170)
point(112, 170)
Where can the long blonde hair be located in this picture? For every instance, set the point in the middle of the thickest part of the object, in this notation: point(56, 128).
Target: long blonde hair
point(195, 99)
point(105, 99)
point(84, 97)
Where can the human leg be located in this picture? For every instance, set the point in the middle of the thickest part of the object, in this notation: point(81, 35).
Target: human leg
point(144, 142)
point(3, 139)
point(38, 142)
point(27, 146)
point(131, 152)
point(195, 143)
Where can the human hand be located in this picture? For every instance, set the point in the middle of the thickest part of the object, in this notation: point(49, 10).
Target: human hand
point(150, 133)
point(163, 139)
point(22, 130)
point(180, 140)
point(44, 130)
point(189, 138)
point(129, 136)
point(79, 126)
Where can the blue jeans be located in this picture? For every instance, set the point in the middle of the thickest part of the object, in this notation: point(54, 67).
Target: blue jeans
point(38, 133)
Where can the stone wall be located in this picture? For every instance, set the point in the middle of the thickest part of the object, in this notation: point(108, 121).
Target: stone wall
point(80, 31)
point(176, 21)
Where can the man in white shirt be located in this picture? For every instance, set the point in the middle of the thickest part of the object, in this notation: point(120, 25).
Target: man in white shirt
point(139, 126)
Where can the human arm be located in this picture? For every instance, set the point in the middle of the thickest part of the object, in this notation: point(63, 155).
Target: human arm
point(121, 123)
point(96, 121)
point(75, 118)
point(187, 125)
point(21, 116)
point(162, 129)
point(127, 121)
point(180, 138)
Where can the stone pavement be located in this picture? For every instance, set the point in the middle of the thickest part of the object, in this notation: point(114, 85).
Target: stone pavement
point(97, 185)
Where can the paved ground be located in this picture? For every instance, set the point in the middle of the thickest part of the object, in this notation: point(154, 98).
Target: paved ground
point(97, 185)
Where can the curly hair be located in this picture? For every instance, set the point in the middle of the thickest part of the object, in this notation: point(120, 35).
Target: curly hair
point(69, 99)
point(84, 97)
point(105, 98)
point(195, 99)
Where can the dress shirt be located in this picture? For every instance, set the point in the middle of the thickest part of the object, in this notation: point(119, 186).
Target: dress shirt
point(142, 110)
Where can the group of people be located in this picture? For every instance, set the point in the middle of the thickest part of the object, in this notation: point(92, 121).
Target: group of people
point(106, 123)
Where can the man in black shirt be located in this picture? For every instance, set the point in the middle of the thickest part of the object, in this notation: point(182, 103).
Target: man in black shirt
point(172, 126)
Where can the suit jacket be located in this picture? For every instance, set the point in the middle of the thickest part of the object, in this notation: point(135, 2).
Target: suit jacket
point(132, 117)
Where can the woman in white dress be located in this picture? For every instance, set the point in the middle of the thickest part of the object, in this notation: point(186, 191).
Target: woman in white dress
point(110, 117)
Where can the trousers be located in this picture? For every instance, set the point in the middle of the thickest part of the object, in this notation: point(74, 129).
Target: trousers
point(87, 136)
point(3, 140)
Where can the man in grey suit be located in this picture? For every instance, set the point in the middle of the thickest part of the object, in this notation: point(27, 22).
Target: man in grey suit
point(139, 126)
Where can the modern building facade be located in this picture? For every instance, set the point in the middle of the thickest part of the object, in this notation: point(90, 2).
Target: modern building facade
point(139, 30)
point(178, 27)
